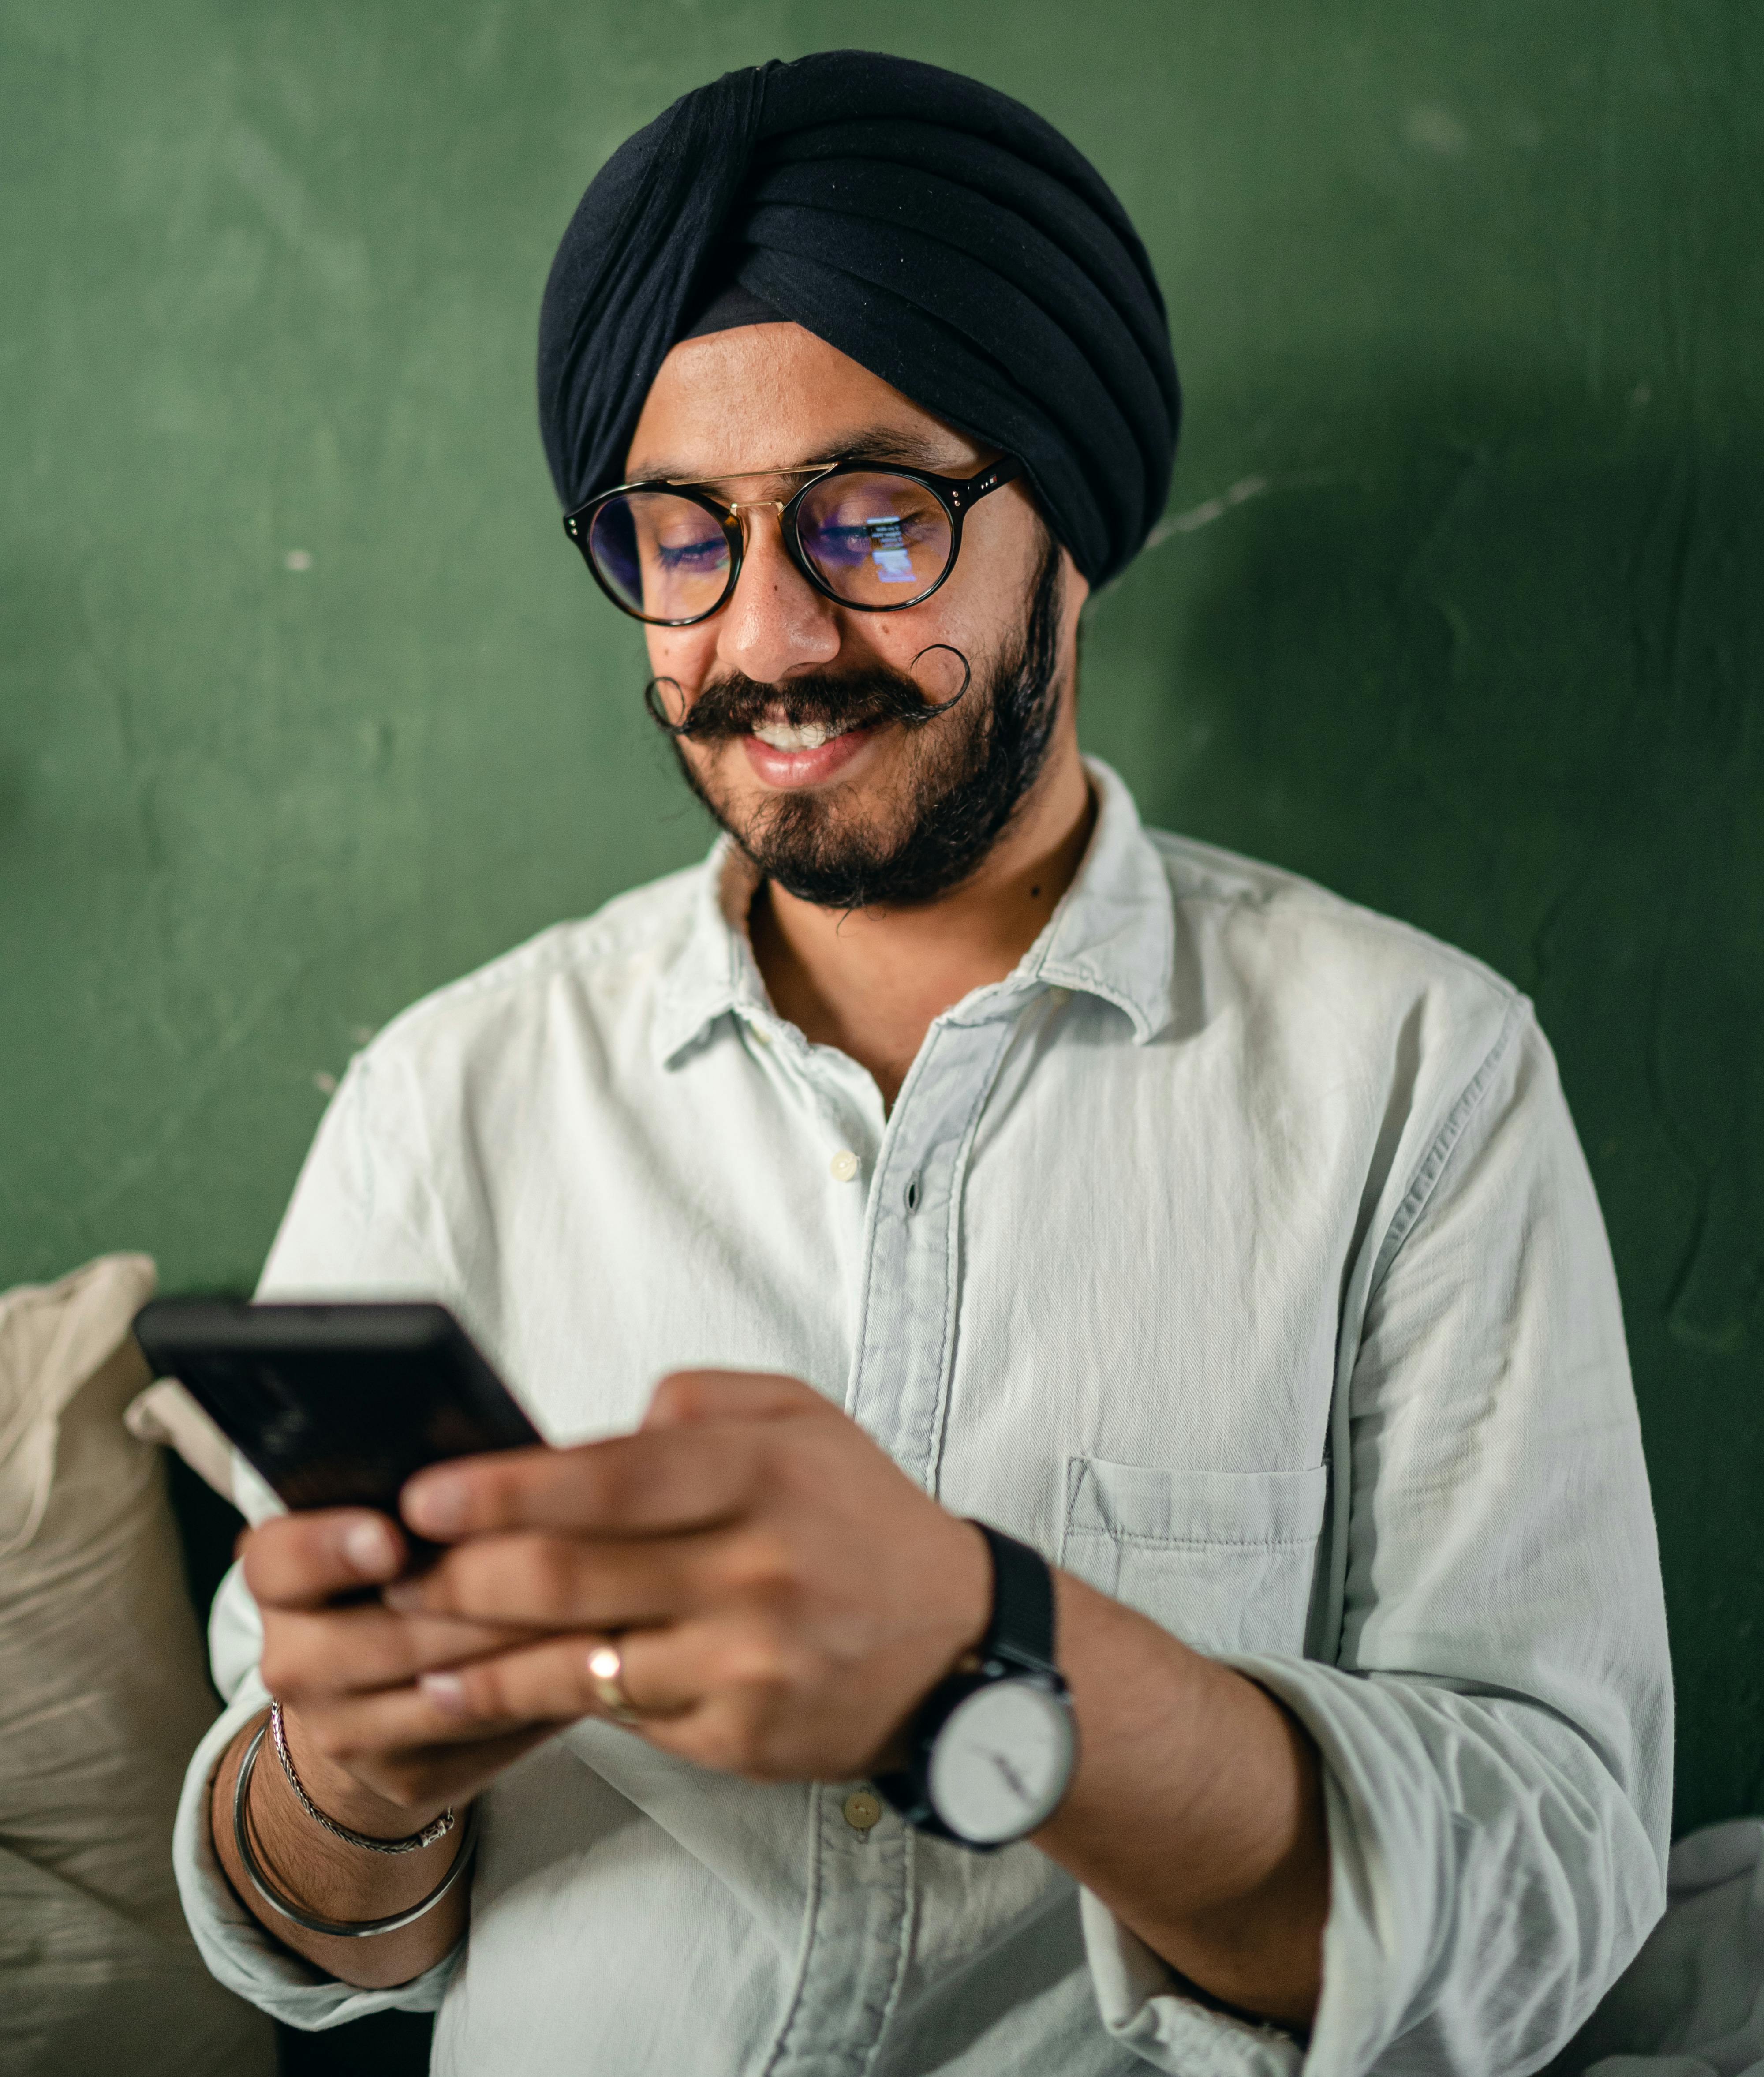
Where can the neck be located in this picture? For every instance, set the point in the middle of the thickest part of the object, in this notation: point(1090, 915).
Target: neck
point(871, 982)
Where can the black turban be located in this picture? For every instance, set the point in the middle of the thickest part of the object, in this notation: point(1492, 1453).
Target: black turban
point(936, 231)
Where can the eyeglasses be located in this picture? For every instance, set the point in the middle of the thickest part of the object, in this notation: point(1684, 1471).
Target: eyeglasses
point(879, 539)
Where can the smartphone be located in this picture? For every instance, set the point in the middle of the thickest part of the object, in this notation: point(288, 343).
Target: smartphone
point(335, 1404)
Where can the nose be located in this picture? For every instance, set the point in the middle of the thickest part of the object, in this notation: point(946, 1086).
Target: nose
point(776, 623)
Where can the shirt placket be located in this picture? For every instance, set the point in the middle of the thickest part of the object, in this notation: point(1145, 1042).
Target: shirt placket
point(859, 1924)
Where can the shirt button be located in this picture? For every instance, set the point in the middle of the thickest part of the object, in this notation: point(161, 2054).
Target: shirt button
point(843, 1166)
point(862, 1810)
point(760, 1035)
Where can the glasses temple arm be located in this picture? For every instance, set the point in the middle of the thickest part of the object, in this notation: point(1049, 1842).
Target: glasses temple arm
point(1006, 469)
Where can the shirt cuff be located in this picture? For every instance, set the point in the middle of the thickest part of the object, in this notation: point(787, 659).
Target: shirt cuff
point(239, 1951)
point(1145, 2004)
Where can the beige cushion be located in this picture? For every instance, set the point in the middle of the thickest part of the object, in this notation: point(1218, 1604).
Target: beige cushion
point(102, 1697)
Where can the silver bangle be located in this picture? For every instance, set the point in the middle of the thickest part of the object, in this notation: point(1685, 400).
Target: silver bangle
point(410, 1844)
point(338, 1928)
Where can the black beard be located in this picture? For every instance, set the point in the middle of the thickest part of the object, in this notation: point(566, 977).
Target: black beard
point(968, 781)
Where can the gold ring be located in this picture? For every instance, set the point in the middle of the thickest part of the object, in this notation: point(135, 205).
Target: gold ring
point(606, 1676)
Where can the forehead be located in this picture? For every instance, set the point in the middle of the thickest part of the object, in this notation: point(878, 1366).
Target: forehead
point(760, 396)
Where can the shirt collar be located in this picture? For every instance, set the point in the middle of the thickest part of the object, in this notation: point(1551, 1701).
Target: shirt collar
point(1111, 936)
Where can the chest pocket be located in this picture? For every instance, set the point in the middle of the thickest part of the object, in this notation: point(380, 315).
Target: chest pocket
point(1224, 1560)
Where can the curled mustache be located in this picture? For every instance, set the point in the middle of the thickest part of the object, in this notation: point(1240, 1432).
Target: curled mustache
point(730, 707)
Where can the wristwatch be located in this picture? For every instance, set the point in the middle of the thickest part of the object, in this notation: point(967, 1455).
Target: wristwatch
point(991, 1750)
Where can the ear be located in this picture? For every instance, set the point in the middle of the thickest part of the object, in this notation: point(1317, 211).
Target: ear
point(1074, 597)
point(1075, 588)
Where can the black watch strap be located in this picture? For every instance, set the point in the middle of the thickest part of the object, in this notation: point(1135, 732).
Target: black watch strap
point(1017, 1641)
point(1021, 1628)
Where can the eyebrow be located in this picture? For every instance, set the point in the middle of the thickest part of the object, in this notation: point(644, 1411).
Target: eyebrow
point(878, 443)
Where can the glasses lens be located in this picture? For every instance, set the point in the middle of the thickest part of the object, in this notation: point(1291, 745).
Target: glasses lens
point(662, 557)
point(875, 539)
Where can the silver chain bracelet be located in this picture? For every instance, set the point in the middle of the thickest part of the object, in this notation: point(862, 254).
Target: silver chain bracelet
point(338, 1928)
point(412, 1843)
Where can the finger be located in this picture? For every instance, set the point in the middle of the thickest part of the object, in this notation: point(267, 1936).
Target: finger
point(304, 1560)
point(550, 1687)
point(728, 1695)
point(566, 1582)
point(662, 1675)
point(668, 1672)
point(710, 1691)
point(660, 1479)
point(689, 1396)
point(552, 1681)
point(309, 1654)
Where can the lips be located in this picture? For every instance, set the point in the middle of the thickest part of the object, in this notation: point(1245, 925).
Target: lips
point(792, 755)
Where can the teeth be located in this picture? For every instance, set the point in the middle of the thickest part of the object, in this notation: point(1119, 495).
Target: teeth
point(794, 735)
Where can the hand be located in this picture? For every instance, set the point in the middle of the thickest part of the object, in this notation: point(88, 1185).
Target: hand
point(344, 1672)
point(784, 1594)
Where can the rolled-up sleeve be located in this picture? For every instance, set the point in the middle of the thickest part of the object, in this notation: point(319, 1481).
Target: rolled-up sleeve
point(1495, 1722)
point(323, 1244)
point(237, 1951)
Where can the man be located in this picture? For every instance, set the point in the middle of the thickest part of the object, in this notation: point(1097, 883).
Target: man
point(1140, 1552)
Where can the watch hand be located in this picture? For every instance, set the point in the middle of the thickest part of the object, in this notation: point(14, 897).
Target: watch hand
point(1013, 1779)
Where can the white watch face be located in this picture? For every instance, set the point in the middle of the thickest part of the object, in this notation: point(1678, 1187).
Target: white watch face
point(1001, 1761)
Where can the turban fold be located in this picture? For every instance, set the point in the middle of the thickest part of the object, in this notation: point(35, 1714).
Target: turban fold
point(936, 231)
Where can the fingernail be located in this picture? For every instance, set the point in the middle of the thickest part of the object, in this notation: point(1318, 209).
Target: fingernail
point(368, 1547)
point(447, 1690)
point(437, 1506)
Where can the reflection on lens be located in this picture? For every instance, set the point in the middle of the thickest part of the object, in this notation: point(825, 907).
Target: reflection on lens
point(663, 556)
point(876, 539)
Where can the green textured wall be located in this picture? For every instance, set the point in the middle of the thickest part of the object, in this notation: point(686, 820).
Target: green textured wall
point(306, 706)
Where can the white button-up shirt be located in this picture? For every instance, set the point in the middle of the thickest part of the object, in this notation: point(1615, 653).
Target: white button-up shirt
point(1236, 1252)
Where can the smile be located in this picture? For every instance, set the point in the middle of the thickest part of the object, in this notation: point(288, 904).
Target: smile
point(797, 735)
